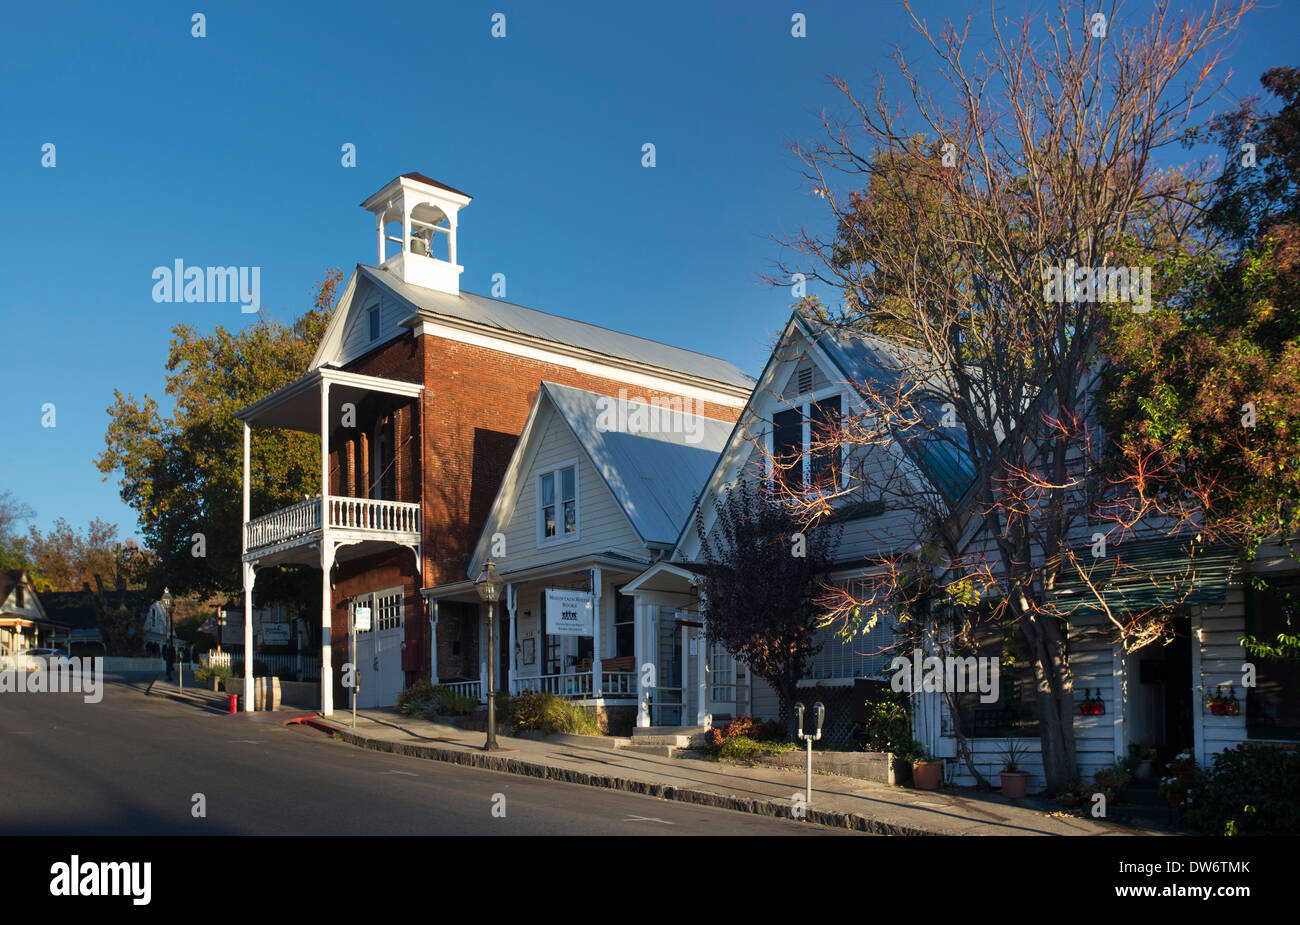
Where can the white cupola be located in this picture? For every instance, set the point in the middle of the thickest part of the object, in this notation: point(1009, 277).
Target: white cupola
point(419, 216)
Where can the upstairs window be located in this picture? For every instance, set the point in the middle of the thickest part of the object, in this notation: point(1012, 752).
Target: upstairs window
point(557, 495)
point(374, 323)
point(800, 457)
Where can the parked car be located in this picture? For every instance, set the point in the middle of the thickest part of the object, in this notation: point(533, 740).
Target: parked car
point(31, 659)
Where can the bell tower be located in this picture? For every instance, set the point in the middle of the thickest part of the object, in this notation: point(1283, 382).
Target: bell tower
point(419, 216)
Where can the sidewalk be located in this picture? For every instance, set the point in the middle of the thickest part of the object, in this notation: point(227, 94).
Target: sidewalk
point(837, 801)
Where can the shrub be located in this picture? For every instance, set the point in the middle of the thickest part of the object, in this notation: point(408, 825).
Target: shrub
point(889, 729)
point(1250, 790)
point(547, 713)
point(416, 698)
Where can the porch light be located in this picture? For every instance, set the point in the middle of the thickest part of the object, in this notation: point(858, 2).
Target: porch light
point(488, 584)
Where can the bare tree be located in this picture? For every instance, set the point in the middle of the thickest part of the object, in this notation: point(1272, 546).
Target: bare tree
point(986, 237)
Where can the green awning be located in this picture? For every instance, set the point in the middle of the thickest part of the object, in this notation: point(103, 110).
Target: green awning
point(1140, 576)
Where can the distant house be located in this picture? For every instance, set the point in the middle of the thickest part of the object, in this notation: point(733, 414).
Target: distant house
point(75, 610)
point(24, 621)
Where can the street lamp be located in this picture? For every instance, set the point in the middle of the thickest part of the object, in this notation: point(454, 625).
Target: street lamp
point(488, 585)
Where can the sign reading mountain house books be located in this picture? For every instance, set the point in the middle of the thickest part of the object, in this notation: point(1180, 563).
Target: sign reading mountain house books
point(568, 613)
point(275, 634)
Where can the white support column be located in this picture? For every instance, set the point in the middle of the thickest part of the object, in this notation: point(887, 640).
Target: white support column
point(433, 641)
point(512, 606)
point(597, 687)
point(406, 229)
point(326, 557)
point(641, 641)
point(249, 578)
point(451, 238)
point(379, 225)
point(703, 715)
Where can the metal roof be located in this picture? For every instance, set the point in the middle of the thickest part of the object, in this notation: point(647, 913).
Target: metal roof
point(1141, 575)
point(655, 473)
point(517, 319)
point(863, 358)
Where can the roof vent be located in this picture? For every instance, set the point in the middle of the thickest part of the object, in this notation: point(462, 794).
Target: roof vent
point(805, 379)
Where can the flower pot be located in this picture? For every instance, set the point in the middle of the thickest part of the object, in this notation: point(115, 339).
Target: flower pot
point(1217, 707)
point(1144, 770)
point(1014, 784)
point(1231, 708)
point(926, 775)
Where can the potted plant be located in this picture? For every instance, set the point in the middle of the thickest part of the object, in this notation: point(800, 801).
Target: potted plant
point(1179, 777)
point(927, 771)
point(1014, 781)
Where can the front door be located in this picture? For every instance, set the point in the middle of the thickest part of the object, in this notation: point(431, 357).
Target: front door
point(379, 651)
point(722, 683)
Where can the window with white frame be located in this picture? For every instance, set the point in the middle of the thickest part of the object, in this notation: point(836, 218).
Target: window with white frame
point(804, 453)
point(387, 608)
point(864, 655)
point(557, 503)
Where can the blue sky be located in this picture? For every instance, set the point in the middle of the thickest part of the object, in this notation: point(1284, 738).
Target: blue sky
point(225, 150)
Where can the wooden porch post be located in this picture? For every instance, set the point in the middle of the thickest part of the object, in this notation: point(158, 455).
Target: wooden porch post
point(433, 641)
point(512, 606)
point(249, 578)
point(597, 688)
point(641, 643)
point(326, 557)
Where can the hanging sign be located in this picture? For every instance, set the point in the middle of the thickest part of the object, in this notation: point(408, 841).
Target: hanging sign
point(568, 613)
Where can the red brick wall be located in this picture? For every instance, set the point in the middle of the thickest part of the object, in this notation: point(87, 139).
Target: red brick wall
point(476, 401)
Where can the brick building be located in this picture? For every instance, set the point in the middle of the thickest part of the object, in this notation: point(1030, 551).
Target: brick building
point(419, 392)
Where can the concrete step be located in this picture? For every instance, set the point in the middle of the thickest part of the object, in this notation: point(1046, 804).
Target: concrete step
point(661, 751)
point(675, 741)
point(606, 742)
point(640, 731)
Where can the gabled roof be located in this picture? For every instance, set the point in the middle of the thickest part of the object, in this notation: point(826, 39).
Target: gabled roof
point(863, 359)
point(10, 579)
point(511, 319)
point(653, 474)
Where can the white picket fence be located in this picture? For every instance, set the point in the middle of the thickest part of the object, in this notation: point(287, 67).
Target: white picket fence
point(307, 666)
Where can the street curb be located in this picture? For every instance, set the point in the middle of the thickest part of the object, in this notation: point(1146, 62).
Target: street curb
point(853, 821)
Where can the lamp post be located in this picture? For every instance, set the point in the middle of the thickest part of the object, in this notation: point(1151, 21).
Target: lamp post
point(488, 585)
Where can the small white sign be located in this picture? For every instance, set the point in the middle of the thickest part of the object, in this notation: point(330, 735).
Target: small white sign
point(275, 634)
point(568, 613)
point(361, 619)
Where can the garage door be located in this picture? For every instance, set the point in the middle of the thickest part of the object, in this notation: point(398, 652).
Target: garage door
point(379, 650)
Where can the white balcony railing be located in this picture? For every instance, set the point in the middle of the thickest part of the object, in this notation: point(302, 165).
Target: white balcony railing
point(304, 518)
point(613, 684)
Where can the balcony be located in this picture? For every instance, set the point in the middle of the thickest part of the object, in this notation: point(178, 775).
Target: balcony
point(357, 520)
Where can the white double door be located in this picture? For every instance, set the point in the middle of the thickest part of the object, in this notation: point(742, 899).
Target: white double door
point(378, 655)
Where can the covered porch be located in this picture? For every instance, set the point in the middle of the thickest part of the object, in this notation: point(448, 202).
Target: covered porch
point(364, 514)
point(684, 680)
point(563, 629)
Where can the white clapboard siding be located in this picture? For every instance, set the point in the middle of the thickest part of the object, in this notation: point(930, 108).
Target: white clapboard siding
point(602, 525)
point(356, 332)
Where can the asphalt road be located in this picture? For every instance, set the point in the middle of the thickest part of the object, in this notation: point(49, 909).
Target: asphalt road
point(132, 765)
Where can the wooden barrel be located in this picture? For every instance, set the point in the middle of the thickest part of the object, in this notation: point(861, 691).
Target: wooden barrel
point(266, 694)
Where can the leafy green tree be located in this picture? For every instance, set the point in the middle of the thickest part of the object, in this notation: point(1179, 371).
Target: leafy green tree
point(1202, 392)
point(182, 472)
